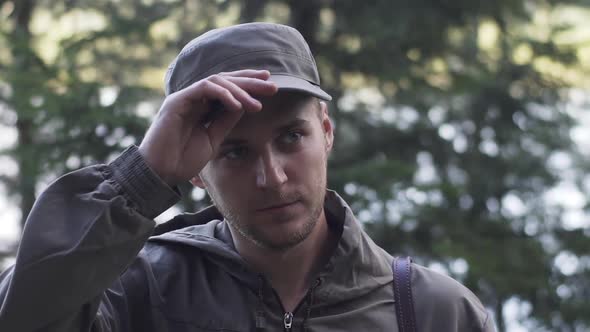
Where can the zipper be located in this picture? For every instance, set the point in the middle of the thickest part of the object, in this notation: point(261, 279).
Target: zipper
point(288, 321)
point(288, 316)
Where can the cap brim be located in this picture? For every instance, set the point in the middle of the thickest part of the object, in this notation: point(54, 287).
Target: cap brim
point(292, 83)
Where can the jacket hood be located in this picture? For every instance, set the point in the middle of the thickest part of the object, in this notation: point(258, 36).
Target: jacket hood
point(356, 267)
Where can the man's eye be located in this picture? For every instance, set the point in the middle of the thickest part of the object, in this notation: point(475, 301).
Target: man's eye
point(292, 137)
point(235, 153)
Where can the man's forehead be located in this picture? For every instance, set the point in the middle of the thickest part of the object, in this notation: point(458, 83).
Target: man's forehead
point(276, 114)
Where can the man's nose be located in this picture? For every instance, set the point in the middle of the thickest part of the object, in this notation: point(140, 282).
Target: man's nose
point(269, 171)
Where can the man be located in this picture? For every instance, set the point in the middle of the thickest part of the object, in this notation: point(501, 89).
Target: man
point(245, 119)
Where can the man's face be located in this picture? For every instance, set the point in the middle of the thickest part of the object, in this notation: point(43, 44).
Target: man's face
point(268, 178)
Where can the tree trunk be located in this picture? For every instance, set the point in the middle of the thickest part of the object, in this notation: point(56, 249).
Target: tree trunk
point(28, 168)
point(305, 17)
point(26, 158)
point(500, 317)
point(251, 9)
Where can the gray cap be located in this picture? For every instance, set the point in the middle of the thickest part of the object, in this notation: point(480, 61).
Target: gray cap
point(277, 48)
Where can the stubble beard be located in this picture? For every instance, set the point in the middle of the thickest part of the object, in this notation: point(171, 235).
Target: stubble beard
point(254, 234)
point(251, 232)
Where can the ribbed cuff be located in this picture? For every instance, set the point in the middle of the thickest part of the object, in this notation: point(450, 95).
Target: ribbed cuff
point(150, 194)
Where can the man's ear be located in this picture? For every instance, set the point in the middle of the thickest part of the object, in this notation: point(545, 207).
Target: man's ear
point(197, 181)
point(327, 126)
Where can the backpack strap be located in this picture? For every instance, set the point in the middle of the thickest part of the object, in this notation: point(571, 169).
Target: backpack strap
point(402, 291)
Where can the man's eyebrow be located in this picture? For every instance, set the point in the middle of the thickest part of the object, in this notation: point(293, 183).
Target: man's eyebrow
point(294, 123)
point(289, 125)
point(234, 141)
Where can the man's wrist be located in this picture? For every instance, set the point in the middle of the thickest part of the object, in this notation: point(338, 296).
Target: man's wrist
point(150, 194)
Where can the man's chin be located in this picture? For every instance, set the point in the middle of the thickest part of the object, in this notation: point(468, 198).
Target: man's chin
point(275, 246)
point(284, 240)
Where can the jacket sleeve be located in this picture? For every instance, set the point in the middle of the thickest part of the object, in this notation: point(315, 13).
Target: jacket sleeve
point(82, 233)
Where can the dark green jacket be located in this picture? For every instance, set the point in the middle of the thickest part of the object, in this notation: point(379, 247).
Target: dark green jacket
point(92, 259)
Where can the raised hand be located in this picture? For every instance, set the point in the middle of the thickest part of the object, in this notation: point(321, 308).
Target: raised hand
point(192, 122)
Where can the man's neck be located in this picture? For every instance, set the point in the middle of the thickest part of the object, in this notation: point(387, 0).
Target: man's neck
point(290, 272)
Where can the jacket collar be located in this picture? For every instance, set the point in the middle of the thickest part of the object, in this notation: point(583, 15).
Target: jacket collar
point(356, 267)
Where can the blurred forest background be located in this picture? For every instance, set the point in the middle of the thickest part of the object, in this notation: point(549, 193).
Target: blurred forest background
point(463, 133)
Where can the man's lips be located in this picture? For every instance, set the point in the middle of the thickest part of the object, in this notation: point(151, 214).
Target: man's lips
point(277, 206)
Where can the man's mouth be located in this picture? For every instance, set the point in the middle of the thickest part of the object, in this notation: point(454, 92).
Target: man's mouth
point(277, 206)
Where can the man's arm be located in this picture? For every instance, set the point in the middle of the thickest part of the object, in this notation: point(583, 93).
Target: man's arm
point(82, 233)
point(88, 226)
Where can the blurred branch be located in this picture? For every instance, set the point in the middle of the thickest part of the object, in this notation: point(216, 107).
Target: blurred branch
point(7, 253)
point(8, 250)
point(8, 181)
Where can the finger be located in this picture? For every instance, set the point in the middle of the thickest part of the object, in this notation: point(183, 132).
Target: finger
point(241, 88)
point(249, 103)
point(206, 90)
point(254, 86)
point(254, 73)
